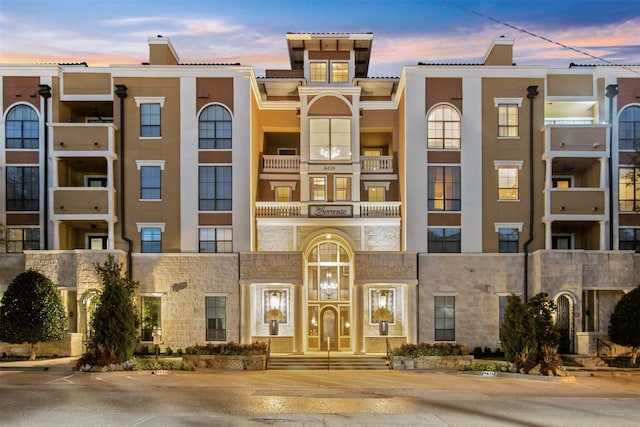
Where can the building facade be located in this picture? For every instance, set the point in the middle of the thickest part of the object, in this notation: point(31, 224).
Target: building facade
point(326, 194)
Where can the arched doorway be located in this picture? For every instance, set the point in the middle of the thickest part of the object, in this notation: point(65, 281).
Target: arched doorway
point(564, 323)
point(328, 280)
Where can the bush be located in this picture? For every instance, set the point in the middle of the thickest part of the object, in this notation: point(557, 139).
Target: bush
point(425, 349)
point(151, 364)
point(624, 324)
point(98, 357)
point(179, 352)
point(518, 329)
point(228, 349)
point(168, 351)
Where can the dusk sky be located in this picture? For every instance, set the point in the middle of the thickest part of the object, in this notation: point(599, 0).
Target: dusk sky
point(252, 32)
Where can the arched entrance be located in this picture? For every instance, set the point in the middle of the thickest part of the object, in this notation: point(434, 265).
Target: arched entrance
point(328, 284)
point(564, 323)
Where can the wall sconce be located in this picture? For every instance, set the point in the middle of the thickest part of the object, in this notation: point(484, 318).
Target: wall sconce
point(562, 208)
point(274, 299)
point(596, 144)
point(62, 144)
point(562, 144)
point(297, 112)
point(595, 208)
point(382, 299)
point(361, 113)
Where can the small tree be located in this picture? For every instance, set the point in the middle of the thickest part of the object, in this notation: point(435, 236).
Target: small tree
point(518, 332)
point(31, 311)
point(115, 321)
point(624, 325)
point(3, 239)
point(541, 309)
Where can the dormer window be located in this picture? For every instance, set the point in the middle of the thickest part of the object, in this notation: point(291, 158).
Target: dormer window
point(339, 72)
point(318, 72)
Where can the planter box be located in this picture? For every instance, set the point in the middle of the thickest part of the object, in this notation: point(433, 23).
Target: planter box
point(431, 362)
point(233, 363)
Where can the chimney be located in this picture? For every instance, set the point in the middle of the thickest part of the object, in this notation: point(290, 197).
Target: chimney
point(161, 51)
point(500, 52)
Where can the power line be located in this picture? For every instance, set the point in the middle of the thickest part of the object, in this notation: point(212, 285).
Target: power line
point(522, 30)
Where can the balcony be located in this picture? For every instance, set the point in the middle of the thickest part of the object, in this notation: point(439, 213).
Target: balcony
point(85, 138)
point(300, 209)
point(377, 164)
point(577, 201)
point(560, 139)
point(275, 163)
point(77, 202)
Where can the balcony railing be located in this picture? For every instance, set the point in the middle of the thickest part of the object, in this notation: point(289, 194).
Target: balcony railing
point(300, 209)
point(83, 137)
point(273, 163)
point(577, 201)
point(380, 164)
point(83, 201)
point(586, 138)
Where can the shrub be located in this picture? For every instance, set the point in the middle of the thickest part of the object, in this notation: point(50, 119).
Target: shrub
point(168, 351)
point(151, 364)
point(228, 349)
point(98, 357)
point(542, 309)
point(518, 329)
point(425, 349)
point(179, 352)
point(624, 324)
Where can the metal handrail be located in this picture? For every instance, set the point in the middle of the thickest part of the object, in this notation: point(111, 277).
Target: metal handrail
point(600, 344)
point(328, 353)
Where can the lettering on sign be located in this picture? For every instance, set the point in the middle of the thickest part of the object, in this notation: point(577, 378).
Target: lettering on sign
point(331, 211)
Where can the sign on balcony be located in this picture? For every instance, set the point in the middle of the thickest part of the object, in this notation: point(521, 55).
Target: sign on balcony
point(330, 211)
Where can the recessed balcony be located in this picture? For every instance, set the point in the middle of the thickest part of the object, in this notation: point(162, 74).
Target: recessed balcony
point(377, 164)
point(275, 163)
point(560, 139)
point(577, 201)
point(92, 202)
point(86, 138)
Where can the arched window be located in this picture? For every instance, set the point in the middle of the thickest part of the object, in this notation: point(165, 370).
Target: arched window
point(22, 127)
point(443, 128)
point(629, 128)
point(214, 128)
point(329, 271)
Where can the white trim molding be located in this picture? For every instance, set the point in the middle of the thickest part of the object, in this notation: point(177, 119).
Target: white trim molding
point(140, 163)
point(503, 101)
point(142, 225)
point(149, 100)
point(498, 225)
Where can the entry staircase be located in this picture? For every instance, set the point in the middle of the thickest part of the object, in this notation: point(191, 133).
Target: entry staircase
point(322, 362)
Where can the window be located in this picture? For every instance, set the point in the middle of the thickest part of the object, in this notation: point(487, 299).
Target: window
point(629, 189)
point(508, 125)
point(508, 240)
point(215, 188)
point(214, 128)
point(22, 128)
point(19, 239)
point(444, 188)
point(318, 72)
point(502, 305)
point(151, 315)
point(445, 318)
point(329, 139)
point(150, 120)
point(561, 182)
point(95, 181)
point(318, 188)
point(23, 188)
point(339, 72)
point(343, 188)
point(150, 183)
point(283, 194)
point(629, 128)
point(214, 240)
point(508, 183)
point(151, 239)
point(443, 240)
point(216, 308)
point(630, 239)
point(97, 243)
point(376, 194)
point(443, 128)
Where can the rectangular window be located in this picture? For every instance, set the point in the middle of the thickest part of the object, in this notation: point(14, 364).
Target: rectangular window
point(561, 182)
point(151, 315)
point(329, 139)
point(150, 120)
point(23, 188)
point(376, 194)
point(339, 72)
point(508, 240)
point(283, 194)
point(444, 188)
point(318, 188)
point(151, 240)
point(343, 188)
point(508, 183)
point(318, 72)
point(215, 188)
point(19, 239)
point(443, 240)
point(630, 239)
point(216, 308)
point(445, 318)
point(215, 240)
point(502, 305)
point(629, 189)
point(508, 120)
point(150, 183)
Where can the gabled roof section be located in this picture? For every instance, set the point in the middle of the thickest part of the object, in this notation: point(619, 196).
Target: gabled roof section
point(360, 43)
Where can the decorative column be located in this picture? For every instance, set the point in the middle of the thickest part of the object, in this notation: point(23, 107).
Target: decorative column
point(298, 321)
point(245, 313)
point(358, 309)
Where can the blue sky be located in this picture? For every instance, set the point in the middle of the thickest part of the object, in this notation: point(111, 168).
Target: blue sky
point(252, 32)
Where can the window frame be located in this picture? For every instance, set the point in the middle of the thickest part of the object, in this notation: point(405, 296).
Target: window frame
point(150, 331)
point(446, 244)
point(150, 182)
point(629, 189)
point(217, 188)
point(315, 75)
point(348, 190)
point(324, 145)
point(441, 120)
point(217, 239)
point(444, 314)
point(629, 128)
point(219, 333)
point(148, 119)
point(508, 118)
point(313, 196)
point(450, 203)
point(24, 239)
point(506, 243)
point(629, 244)
point(29, 125)
point(145, 229)
point(22, 195)
point(220, 128)
point(342, 72)
point(505, 166)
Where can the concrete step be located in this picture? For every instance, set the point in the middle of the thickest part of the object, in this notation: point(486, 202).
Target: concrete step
point(321, 363)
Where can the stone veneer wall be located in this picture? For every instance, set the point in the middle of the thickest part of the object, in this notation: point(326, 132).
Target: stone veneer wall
point(10, 266)
point(183, 281)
